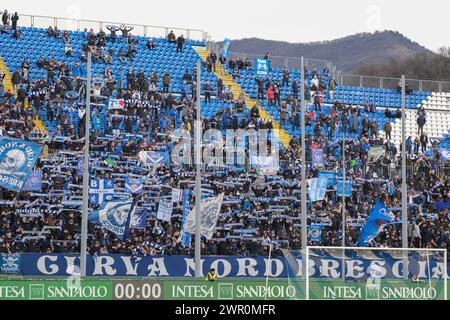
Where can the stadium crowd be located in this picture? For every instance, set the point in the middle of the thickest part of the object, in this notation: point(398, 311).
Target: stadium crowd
point(258, 210)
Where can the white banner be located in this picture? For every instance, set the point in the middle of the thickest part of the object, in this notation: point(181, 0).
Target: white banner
point(165, 211)
point(176, 195)
point(210, 209)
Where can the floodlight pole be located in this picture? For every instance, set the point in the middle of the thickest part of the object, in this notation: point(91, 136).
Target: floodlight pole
point(85, 208)
point(344, 180)
point(344, 204)
point(304, 217)
point(198, 178)
point(404, 185)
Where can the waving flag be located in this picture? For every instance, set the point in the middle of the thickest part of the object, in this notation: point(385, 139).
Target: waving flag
point(375, 153)
point(185, 237)
point(318, 158)
point(330, 176)
point(340, 189)
point(34, 182)
point(17, 159)
point(317, 189)
point(210, 209)
point(134, 186)
point(267, 164)
point(101, 190)
point(153, 158)
point(114, 216)
point(226, 45)
point(379, 217)
point(138, 219)
point(116, 104)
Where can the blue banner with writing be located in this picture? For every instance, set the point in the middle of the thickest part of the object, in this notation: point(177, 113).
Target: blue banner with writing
point(54, 264)
point(261, 68)
point(340, 188)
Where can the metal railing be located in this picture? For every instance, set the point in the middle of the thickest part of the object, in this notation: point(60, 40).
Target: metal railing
point(37, 21)
point(290, 62)
point(350, 80)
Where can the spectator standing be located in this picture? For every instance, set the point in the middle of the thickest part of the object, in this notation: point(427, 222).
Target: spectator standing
point(421, 121)
point(424, 142)
point(416, 145)
point(5, 19)
point(286, 75)
point(113, 30)
point(166, 82)
point(207, 90)
point(15, 79)
point(332, 88)
point(14, 20)
point(388, 130)
point(180, 43)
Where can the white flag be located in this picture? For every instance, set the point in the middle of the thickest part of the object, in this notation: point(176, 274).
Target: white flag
point(210, 209)
point(116, 104)
point(375, 153)
point(165, 211)
point(176, 195)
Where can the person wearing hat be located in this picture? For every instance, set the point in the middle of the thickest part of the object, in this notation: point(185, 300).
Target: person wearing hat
point(211, 276)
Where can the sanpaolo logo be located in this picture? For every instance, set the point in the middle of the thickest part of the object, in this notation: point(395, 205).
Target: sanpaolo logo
point(89, 292)
point(263, 292)
point(428, 293)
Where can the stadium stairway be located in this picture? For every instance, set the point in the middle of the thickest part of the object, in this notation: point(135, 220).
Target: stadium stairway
point(221, 73)
point(7, 83)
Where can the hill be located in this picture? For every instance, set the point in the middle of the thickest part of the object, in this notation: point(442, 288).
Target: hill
point(348, 54)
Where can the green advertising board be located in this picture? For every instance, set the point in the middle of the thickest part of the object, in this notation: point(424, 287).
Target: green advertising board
point(222, 290)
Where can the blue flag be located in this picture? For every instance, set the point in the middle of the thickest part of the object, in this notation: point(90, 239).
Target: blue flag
point(261, 68)
point(114, 216)
point(318, 158)
point(226, 45)
point(138, 219)
point(315, 233)
point(101, 190)
point(185, 237)
point(134, 186)
point(379, 217)
point(348, 189)
point(34, 182)
point(331, 177)
point(17, 159)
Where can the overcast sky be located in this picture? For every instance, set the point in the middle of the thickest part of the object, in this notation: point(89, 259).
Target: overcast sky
point(425, 22)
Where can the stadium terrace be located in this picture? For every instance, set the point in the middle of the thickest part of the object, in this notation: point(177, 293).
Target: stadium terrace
point(143, 92)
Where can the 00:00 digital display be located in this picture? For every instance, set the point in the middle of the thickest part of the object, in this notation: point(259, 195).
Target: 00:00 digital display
point(137, 291)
